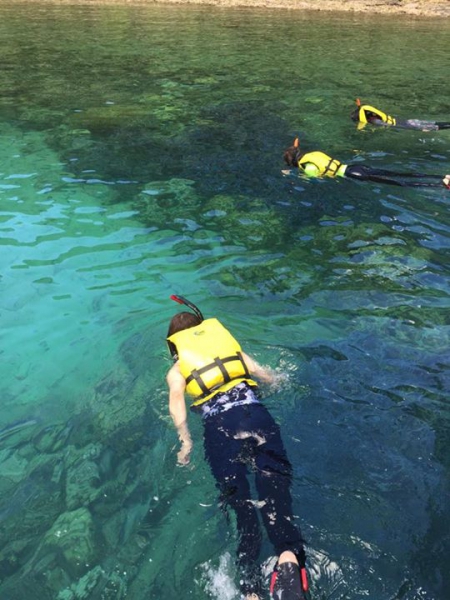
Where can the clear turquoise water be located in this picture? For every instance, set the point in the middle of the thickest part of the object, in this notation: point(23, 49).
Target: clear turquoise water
point(140, 155)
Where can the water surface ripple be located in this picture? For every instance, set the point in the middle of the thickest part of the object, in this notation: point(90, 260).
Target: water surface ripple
point(140, 156)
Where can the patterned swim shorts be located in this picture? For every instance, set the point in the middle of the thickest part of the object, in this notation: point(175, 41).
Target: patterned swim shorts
point(237, 396)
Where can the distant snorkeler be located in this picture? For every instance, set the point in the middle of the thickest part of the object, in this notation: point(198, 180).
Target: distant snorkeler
point(319, 164)
point(364, 114)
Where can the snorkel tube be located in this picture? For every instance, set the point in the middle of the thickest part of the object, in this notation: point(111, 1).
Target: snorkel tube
point(359, 115)
point(186, 302)
point(298, 152)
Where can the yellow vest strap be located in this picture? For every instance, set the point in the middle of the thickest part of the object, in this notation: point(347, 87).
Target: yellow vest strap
point(332, 166)
point(196, 374)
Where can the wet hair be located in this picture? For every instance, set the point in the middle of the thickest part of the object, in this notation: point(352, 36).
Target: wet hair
point(355, 115)
point(291, 156)
point(181, 321)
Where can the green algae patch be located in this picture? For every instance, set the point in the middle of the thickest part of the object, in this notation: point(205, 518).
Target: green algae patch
point(164, 203)
point(249, 222)
point(107, 119)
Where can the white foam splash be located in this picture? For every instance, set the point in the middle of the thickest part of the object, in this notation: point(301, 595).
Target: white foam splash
point(219, 581)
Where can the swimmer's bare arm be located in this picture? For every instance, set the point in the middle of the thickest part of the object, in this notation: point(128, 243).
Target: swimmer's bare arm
point(178, 412)
point(264, 374)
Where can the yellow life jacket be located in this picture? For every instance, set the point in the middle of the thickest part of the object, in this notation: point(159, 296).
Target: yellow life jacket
point(324, 164)
point(382, 116)
point(210, 360)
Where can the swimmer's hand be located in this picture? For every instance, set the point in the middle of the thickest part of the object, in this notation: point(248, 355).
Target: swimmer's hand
point(446, 181)
point(279, 380)
point(184, 454)
point(265, 374)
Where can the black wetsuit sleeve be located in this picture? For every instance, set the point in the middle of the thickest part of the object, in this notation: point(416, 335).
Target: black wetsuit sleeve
point(378, 122)
point(365, 173)
point(413, 124)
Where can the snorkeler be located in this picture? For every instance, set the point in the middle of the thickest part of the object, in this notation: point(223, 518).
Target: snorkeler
point(364, 113)
point(240, 437)
point(319, 164)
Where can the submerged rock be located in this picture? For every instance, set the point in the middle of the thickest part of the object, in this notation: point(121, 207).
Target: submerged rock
point(65, 552)
point(52, 438)
point(161, 203)
point(17, 433)
point(82, 484)
point(82, 589)
point(137, 350)
point(71, 542)
point(248, 222)
point(108, 118)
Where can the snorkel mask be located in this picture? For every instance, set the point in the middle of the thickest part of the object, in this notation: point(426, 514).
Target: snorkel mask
point(195, 310)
